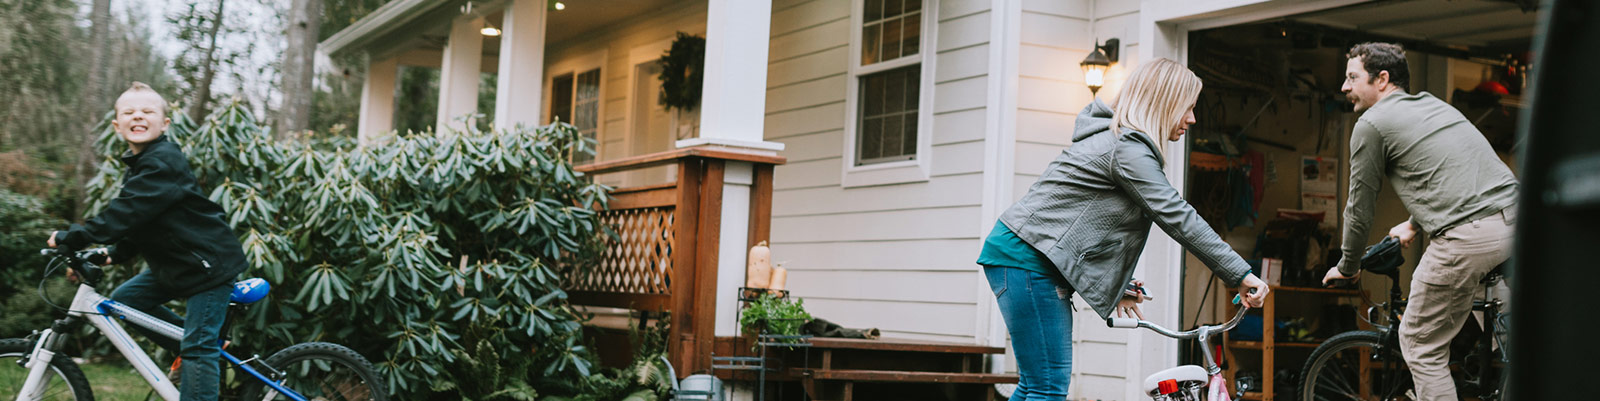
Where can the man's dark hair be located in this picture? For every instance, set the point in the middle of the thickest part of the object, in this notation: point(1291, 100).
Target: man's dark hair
point(1376, 56)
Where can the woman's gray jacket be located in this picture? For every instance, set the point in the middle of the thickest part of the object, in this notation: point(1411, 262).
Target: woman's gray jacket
point(1090, 212)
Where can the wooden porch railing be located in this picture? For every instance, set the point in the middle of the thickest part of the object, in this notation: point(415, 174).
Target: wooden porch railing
point(666, 256)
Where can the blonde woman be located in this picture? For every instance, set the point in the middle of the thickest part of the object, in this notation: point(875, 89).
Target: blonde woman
point(1082, 226)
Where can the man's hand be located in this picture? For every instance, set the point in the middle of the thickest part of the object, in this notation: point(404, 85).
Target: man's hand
point(1128, 306)
point(1334, 274)
point(1259, 297)
point(52, 240)
point(72, 275)
point(1405, 232)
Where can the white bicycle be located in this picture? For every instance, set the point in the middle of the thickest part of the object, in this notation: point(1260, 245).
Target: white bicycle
point(301, 372)
point(1187, 382)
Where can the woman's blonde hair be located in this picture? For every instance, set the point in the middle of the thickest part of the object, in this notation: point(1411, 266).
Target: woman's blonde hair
point(1154, 99)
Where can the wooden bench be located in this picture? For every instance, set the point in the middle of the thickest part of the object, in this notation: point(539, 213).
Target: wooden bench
point(851, 369)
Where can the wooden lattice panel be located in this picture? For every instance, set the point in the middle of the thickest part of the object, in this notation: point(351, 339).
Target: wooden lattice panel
point(639, 261)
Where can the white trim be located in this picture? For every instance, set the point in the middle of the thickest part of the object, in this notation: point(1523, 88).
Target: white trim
point(774, 147)
point(920, 167)
point(733, 243)
point(1005, 40)
point(381, 21)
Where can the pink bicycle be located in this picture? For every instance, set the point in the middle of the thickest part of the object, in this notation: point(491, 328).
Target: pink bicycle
point(1187, 382)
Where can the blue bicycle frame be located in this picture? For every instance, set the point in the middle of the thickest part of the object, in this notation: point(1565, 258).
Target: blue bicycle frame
point(105, 317)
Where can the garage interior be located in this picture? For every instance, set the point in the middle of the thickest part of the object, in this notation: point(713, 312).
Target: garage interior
point(1269, 156)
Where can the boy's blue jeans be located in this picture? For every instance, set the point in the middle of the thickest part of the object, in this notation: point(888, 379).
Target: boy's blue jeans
point(1038, 314)
point(201, 354)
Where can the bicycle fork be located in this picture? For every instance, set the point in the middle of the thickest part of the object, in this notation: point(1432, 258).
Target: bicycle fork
point(38, 364)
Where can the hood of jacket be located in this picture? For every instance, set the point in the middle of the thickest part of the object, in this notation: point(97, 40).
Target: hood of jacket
point(1095, 119)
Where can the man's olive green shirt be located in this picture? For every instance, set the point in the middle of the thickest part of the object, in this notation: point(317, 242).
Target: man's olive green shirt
point(1439, 163)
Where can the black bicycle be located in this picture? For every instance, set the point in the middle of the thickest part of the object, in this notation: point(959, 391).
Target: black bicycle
point(1367, 364)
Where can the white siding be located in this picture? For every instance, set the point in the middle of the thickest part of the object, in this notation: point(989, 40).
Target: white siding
point(896, 257)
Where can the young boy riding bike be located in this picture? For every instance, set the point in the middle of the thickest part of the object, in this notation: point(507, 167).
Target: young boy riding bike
point(162, 215)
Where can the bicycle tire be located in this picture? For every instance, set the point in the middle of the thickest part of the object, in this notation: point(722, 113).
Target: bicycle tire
point(296, 364)
point(77, 385)
point(1328, 374)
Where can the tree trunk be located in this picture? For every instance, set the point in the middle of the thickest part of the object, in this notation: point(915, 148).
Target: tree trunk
point(299, 67)
point(91, 98)
point(208, 71)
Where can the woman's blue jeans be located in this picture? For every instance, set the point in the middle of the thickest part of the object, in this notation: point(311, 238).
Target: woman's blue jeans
point(1038, 313)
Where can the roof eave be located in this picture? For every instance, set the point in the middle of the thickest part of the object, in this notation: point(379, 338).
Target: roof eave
point(381, 21)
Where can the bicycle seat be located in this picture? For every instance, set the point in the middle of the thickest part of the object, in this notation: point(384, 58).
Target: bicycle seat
point(250, 291)
point(1384, 258)
point(1181, 374)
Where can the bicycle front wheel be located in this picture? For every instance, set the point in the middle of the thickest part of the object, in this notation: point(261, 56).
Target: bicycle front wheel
point(63, 382)
point(1354, 366)
point(319, 371)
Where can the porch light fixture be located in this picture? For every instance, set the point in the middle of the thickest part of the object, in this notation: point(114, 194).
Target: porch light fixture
point(489, 29)
point(1095, 65)
point(556, 5)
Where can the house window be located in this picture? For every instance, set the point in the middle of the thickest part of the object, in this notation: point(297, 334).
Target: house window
point(888, 122)
point(891, 29)
point(888, 81)
point(575, 99)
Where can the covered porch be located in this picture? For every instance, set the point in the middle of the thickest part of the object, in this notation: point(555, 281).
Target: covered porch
point(693, 185)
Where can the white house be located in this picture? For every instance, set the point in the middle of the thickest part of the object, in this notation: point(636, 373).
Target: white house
point(902, 148)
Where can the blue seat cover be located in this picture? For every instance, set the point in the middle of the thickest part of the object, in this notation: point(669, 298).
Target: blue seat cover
point(250, 291)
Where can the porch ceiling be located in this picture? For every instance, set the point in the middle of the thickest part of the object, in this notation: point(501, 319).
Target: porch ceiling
point(1461, 24)
point(406, 25)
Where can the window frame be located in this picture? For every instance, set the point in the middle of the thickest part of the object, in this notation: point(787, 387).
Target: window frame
point(890, 172)
point(576, 66)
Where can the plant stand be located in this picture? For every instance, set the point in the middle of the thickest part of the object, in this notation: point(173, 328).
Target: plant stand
point(763, 362)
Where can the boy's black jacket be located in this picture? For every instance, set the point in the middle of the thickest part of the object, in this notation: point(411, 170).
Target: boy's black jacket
point(162, 215)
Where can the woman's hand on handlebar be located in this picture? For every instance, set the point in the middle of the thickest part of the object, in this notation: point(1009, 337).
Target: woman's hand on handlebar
point(1253, 290)
point(1128, 306)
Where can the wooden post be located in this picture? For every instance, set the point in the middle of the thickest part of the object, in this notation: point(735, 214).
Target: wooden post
point(761, 205)
point(708, 236)
point(682, 334)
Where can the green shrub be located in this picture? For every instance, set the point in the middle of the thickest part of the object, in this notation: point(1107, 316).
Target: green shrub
point(27, 225)
point(439, 256)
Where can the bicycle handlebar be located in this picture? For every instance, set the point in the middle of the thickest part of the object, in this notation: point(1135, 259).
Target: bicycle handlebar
point(89, 272)
point(1130, 323)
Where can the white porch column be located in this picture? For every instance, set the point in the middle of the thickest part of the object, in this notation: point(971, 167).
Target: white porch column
point(733, 107)
point(733, 100)
point(377, 99)
point(458, 78)
point(520, 88)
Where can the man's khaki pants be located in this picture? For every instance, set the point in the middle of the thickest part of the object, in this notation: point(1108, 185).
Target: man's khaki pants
point(1442, 290)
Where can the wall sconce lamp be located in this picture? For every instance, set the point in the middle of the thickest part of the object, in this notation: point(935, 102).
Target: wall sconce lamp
point(557, 5)
point(1095, 65)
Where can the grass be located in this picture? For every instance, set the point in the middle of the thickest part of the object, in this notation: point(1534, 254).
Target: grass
point(116, 381)
point(110, 381)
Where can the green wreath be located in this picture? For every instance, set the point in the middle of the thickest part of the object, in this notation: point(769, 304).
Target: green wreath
point(682, 71)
